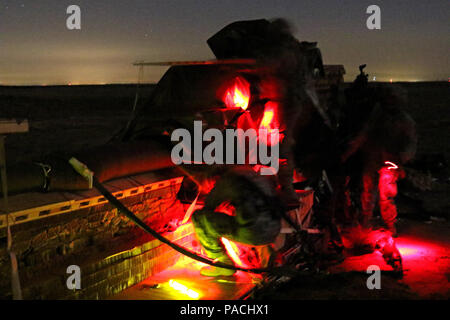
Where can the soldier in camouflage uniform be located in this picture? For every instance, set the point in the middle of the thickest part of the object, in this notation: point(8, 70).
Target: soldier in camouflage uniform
point(256, 219)
point(383, 137)
point(286, 69)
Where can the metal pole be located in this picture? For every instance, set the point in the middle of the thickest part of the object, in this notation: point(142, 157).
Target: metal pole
point(192, 63)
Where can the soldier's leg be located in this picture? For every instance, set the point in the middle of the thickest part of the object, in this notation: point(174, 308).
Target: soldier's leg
point(286, 170)
point(368, 198)
point(209, 227)
point(387, 186)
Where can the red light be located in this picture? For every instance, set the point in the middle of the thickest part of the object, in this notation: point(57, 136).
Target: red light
point(270, 123)
point(227, 208)
point(183, 289)
point(207, 185)
point(408, 250)
point(269, 120)
point(232, 251)
point(392, 165)
point(238, 96)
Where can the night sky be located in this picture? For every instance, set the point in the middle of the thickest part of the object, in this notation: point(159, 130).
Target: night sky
point(37, 48)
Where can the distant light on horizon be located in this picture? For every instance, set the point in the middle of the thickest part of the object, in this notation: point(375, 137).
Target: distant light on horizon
point(39, 49)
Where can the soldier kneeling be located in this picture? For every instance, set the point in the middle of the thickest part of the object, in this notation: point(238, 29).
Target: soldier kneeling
point(255, 220)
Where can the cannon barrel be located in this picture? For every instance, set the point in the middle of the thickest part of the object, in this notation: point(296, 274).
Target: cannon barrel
point(108, 162)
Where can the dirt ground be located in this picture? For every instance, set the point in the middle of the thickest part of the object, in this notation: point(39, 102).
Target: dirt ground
point(64, 119)
point(425, 250)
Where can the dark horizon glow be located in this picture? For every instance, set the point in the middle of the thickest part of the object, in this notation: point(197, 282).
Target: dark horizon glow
point(38, 49)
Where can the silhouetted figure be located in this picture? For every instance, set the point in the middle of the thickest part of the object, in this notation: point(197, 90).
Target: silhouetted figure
point(381, 137)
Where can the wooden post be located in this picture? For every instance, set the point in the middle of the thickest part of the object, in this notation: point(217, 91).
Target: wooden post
point(10, 126)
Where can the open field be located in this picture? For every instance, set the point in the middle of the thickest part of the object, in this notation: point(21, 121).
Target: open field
point(87, 115)
point(66, 118)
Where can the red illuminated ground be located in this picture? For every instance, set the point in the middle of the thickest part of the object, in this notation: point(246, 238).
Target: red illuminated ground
point(425, 249)
point(425, 252)
point(187, 274)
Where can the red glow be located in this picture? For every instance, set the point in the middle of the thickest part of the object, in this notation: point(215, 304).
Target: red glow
point(238, 96)
point(183, 289)
point(414, 247)
point(392, 165)
point(408, 250)
point(233, 251)
point(270, 122)
point(247, 256)
point(207, 185)
point(267, 119)
point(227, 208)
point(424, 255)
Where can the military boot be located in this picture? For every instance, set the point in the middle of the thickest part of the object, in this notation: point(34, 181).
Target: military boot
point(211, 271)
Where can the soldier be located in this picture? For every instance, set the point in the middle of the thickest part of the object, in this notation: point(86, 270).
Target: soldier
point(295, 65)
point(286, 68)
point(243, 206)
point(383, 137)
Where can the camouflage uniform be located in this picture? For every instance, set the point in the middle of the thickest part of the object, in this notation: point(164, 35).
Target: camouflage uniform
point(286, 68)
point(294, 69)
point(256, 221)
point(386, 134)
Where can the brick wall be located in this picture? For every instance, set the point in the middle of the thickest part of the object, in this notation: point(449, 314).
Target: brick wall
point(112, 253)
